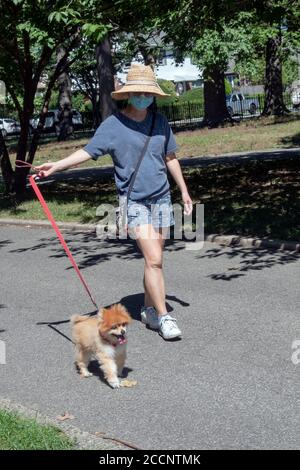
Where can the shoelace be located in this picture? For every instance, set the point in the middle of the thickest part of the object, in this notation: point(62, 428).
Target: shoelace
point(172, 321)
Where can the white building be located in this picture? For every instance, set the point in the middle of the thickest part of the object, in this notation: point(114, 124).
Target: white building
point(185, 75)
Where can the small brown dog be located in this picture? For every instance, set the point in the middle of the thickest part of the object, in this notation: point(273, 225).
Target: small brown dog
point(103, 336)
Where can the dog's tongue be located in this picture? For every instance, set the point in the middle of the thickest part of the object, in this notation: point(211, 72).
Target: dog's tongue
point(122, 340)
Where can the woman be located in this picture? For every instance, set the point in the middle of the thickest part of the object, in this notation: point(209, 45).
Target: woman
point(123, 136)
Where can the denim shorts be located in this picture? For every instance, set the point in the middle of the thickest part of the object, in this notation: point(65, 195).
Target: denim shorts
point(155, 211)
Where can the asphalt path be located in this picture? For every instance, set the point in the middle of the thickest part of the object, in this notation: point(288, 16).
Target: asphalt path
point(230, 383)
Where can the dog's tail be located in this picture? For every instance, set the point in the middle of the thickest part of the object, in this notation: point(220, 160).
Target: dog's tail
point(77, 319)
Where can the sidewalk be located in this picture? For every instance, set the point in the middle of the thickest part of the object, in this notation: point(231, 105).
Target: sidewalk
point(229, 383)
point(93, 174)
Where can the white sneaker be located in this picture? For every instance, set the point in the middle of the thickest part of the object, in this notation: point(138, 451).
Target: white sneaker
point(150, 318)
point(168, 328)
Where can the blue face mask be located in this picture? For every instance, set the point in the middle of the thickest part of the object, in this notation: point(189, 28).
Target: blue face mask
point(141, 102)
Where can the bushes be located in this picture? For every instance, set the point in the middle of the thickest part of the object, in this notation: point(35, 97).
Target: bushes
point(168, 87)
point(195, 95)
point(228, 87)
point(181, 111)
point(189, 105)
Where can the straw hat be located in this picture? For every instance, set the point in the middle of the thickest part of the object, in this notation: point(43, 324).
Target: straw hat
point(140, 78)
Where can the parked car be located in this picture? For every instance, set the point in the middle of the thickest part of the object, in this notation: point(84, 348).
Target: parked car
point(238, 104)
point(52, 121)
point(9, 126)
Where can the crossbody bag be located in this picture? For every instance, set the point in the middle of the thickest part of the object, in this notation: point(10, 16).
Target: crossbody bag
point(123, 200)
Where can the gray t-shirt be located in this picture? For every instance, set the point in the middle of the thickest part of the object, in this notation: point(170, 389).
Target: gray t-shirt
point(123, 139)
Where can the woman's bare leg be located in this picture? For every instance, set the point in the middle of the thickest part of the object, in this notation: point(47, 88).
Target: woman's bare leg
point(151, 243)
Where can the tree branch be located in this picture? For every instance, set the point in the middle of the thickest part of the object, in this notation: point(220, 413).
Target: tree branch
point(15, 100)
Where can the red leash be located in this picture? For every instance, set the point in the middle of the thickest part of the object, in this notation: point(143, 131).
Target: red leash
point(54, 225)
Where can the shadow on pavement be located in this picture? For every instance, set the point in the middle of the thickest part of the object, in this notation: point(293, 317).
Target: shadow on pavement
point(248, 259)
point(86, 245)
point(134, 302)
point(4, 243)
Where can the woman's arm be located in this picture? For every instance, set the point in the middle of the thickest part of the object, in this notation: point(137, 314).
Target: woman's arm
point(175, 170)
point(74, 159)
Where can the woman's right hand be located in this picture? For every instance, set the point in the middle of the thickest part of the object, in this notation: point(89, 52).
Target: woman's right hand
point(45, 170)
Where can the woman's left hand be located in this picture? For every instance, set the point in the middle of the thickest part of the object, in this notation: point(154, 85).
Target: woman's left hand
point(188, 203)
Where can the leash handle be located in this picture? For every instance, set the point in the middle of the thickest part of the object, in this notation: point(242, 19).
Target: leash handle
point(58, 233)
point(22, 164)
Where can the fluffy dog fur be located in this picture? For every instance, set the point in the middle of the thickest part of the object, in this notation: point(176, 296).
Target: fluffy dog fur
point(104, 337)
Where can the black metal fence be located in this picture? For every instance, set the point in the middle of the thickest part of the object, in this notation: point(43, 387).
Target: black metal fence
point(186, 115)
point(183, 114)
point(190, 114)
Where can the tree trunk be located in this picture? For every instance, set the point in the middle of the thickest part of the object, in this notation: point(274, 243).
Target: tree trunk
point(6, 167)
point(106, 78)
point(42, 118)
point(215, 109)
point(274, 104)
point(28, 106)
point(65, 125)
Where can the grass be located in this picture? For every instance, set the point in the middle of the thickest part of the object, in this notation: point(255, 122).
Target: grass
point(258, 199)
point(251, 135)
point(67, 201)
point(247, 136)
point(17, 433)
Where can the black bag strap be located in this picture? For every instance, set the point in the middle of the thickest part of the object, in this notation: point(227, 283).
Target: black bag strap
point(141, 157)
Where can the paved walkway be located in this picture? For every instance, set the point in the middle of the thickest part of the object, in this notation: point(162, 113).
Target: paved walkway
point(230, 383)
point(94, 173)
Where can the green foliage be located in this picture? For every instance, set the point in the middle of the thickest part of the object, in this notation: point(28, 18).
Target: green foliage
point(253, 70)
point(38, 103)
point(167, 86)
point(195, 95)
point(96, 31)
point(54, 99)
point(289, 71)
point(17, 433)
point(228, 87)
point(39, 100)
point(226, 39)
point(80, 103)
point(65, 15)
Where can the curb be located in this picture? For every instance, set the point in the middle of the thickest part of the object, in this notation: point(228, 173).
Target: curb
point(234, 240)
point(227, 240)
point(45, 224)
point(83, 439)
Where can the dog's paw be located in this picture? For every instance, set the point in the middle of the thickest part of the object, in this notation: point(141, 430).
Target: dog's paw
point(114, 383)
point(85, 374)
point(128, 383)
